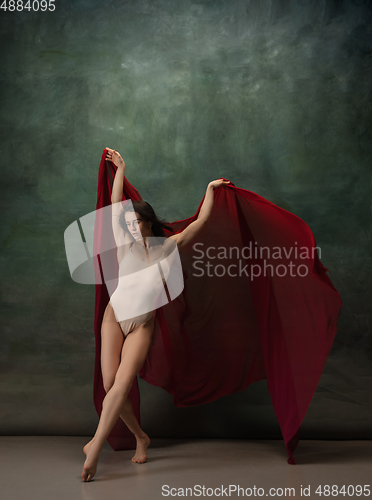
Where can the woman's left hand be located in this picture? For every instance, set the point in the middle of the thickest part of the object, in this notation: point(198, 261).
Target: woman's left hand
point(219, 182)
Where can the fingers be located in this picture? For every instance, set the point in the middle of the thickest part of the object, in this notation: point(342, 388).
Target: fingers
point(111, 152)
point(114, 157)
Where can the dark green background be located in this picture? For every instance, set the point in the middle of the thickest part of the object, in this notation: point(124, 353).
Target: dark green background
point(273, 95)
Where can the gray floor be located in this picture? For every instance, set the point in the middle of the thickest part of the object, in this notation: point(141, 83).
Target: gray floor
point(49, 467)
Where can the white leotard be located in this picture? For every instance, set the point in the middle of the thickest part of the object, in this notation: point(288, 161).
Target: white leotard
point(140, 290)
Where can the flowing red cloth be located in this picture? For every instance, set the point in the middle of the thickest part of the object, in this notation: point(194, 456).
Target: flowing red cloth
point(225, 332)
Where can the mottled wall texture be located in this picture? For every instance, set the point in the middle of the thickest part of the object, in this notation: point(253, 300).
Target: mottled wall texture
point(273, 95)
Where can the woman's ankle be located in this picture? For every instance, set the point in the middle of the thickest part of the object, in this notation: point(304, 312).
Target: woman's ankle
point(141, 436)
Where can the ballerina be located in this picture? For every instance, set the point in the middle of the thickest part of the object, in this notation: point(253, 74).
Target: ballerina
point(125, 343)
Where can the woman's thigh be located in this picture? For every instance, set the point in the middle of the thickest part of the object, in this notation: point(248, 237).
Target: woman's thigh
point(134, 352)
point(112, 339)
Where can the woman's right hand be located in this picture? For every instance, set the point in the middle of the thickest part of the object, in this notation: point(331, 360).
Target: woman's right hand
point(115, 157)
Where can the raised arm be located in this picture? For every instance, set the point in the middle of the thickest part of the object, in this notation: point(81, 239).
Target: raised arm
point(117, 188)
point(122, 237)
point(192, 229)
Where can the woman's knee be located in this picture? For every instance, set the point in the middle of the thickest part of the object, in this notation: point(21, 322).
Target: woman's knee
point(123, 384)
point(108, 383)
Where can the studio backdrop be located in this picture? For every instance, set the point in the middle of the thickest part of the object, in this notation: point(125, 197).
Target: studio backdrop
point(273, 96)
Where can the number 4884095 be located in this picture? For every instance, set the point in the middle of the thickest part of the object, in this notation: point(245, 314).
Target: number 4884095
point(35, 5)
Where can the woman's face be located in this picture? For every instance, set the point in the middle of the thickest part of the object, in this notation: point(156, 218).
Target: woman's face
point(138, 227)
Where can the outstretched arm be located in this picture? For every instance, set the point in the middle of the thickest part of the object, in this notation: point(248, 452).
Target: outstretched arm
point(192, 229)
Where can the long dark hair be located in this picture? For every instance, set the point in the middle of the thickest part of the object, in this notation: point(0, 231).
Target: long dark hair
point(147, 213)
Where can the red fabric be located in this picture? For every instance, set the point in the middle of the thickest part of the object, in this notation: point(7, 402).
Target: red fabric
point(223, 332)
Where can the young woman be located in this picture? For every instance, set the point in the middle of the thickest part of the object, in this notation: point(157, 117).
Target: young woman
point(125, 343)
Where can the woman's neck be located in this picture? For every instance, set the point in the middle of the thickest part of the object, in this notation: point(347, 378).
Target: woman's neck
point(145, 241)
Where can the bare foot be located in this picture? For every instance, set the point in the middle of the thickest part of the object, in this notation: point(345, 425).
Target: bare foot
point(142, 444)
point(90, 464)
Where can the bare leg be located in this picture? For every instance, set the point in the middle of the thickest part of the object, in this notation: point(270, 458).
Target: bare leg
point(143, 440)
point(133, 355)
point(112, 339)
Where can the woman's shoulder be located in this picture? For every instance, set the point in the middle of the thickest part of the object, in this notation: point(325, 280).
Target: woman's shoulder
point(171, 242)
point(174, 238)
